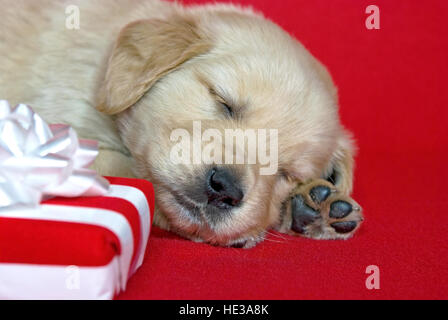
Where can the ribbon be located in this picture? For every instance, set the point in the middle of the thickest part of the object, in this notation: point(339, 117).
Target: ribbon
point(39, 161)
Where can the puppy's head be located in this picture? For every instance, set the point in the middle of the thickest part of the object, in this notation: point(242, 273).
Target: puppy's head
point(205, 71)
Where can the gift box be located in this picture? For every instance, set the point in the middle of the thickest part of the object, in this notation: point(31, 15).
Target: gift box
point(76, 248)
point(65, 231)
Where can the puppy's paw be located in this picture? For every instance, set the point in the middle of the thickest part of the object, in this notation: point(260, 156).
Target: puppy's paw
point(317, 210)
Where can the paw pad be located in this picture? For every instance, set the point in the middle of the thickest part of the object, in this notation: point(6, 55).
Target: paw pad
point(320, 193)
point(319, 211)
point(340, 209)
point(303, 215)
point(344, 226)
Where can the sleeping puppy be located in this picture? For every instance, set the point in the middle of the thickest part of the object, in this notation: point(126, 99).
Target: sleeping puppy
point(135, 72)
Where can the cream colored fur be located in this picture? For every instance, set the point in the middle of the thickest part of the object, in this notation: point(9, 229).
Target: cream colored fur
point(149, 66)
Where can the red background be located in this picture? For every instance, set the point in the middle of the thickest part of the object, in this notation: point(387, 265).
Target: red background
point(394, 97)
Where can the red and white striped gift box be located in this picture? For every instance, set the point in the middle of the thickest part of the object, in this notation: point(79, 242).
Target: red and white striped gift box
point(76, 248)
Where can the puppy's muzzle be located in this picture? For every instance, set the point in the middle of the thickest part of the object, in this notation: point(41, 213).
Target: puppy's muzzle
point(223, 189)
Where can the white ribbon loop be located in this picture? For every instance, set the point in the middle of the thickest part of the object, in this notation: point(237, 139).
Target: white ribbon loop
point(37, 160)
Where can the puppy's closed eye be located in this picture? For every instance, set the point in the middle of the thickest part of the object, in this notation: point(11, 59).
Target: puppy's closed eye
point(226, 106)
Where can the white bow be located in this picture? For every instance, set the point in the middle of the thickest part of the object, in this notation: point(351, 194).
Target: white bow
point(37, 160)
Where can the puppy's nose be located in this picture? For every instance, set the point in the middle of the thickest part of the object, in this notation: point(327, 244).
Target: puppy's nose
point(223, 189)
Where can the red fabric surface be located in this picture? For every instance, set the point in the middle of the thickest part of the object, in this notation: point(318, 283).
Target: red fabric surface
point(393, 96)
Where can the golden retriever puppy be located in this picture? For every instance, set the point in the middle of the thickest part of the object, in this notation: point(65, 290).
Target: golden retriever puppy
point(142, 76)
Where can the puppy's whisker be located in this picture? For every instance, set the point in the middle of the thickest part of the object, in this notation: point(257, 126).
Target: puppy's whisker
point(276, 241)
point(276, 235)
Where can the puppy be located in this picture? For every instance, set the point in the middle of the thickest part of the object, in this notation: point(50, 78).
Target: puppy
point(134, 72)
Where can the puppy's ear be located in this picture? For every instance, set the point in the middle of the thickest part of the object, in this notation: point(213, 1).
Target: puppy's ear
point(340, 171)
point(145, 51)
